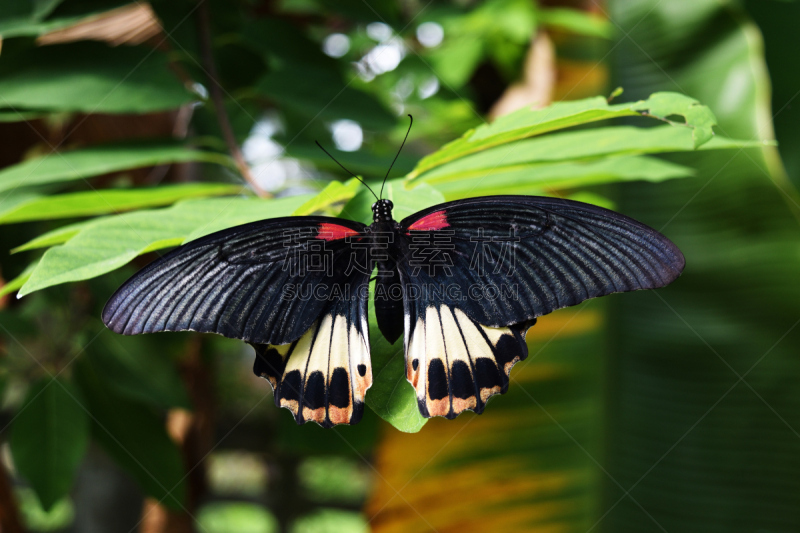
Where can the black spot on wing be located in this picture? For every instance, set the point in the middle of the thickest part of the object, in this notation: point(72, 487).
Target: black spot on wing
point(339, 392)
point(314, 393)
point(362, 370)
point(461, 382)
point(437, 380)
point(290, 388)
point(487, 374)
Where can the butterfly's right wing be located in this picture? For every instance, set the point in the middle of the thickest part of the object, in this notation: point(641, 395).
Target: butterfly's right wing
point(478, 272)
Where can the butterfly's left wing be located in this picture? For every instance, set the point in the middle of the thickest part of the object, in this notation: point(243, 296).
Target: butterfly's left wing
point(324, 375)
point(476, 273)
point(293, 287)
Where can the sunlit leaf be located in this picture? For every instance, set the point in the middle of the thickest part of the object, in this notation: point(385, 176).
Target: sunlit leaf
point(108, 243)
point(530, 179)
point(330, 199)
point(527, 123)
point(575, 146)
point(236, 517)
point(576, 21)
point(15, 284)
point(51, 238)
point(97, 160)
point(105, 201)
point(456, 59)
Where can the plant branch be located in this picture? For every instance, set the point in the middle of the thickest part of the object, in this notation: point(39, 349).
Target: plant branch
point(215, 91)
point(9, 515)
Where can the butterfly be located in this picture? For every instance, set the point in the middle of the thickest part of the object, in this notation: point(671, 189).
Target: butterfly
point(461, 281)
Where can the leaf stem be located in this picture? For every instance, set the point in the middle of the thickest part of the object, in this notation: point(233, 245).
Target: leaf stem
point(215, 91)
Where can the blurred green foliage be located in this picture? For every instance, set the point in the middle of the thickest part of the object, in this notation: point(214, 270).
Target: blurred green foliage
point(80, 200)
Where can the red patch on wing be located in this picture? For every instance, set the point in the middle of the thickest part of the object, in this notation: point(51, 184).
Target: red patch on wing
point(332, 232)
point(434, 221)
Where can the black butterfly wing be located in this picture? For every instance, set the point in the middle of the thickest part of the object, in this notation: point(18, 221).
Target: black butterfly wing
point(292, 286)
point(487, 267)
point(324, 375)
point(454, 363)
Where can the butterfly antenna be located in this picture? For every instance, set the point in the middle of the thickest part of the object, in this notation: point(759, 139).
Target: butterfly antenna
point(398, 153)
point(349, 172)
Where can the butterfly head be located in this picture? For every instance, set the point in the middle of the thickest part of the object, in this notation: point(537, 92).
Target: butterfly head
point(382, 211)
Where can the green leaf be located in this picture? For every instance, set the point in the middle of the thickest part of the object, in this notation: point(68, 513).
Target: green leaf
point(140, 369)
point(776, 22)
point(456, 60)
point(699, 117)
point(15, 284)
point(20, 116)
point(533, 179)
point(576, 21)
point(97, 160)
point(594, 199)
point(135, 436)
point(25, 18)
point(391, 396)
point(527, 123)
point(42, 8)
point(49, 438)
point(364, 162)
point(227, 215)
point(11, 200)
point(572, 146)
point(330, 199)
point(237, 517)
point(51, 238)
point(105, 244)
point(90, 77)
point(705, 451)
point(36, 17)
point(105, 201)
point(322, 94)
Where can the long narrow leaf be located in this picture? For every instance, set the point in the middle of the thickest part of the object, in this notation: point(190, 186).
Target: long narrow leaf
point(527, 123)
point(529, 179)
point(108, 243)
point(89, 162)
point(105, 201)
point(577, 145)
